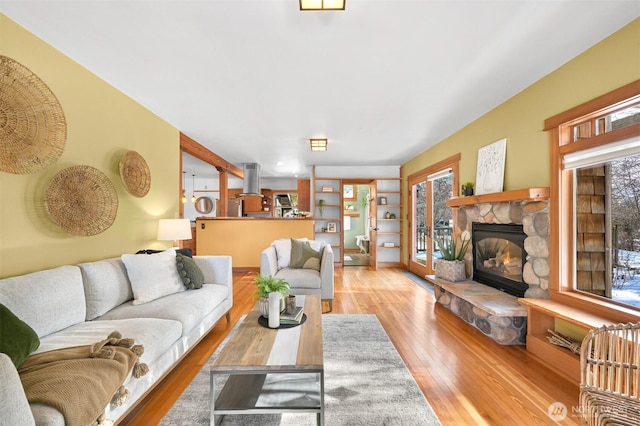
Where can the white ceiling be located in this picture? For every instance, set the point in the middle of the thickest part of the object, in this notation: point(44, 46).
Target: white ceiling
point(383, 80)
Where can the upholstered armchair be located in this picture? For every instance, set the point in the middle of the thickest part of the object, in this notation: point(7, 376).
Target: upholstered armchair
point(307, 266)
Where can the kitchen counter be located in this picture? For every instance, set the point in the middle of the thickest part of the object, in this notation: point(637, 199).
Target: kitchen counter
point(244, 238)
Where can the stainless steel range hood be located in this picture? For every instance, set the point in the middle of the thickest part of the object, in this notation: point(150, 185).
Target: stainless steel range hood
point(251, 181)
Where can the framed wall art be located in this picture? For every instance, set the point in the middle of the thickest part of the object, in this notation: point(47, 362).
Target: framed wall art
point(348, 192)
point(490, 171)
point(332, 227)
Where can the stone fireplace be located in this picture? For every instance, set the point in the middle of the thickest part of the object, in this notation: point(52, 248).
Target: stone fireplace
point(495, 312)
point(533, 215)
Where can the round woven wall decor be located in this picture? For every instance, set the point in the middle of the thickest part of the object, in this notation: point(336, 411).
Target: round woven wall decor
point(135, 174)
point(33, 129)
point(82, 200)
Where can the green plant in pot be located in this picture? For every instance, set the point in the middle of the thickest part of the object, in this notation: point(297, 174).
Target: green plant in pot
point(320, 206)
point(467, 189)
point(451, 265)
point(266, 284)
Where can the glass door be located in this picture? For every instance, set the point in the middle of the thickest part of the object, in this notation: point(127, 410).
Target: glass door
point(429, 216)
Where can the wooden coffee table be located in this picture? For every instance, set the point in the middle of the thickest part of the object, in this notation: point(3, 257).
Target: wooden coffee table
point(272, 370)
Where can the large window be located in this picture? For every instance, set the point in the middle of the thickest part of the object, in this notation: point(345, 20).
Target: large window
point(596, 206)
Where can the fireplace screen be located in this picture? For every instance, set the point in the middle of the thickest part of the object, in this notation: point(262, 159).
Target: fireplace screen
point(499, 255)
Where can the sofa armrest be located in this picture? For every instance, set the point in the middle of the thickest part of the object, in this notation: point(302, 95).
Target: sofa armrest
point(326, 273)
point(269, 261)
point(14, 407)
point(216, 269)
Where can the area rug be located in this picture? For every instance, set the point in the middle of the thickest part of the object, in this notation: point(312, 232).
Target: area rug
point(366, 383)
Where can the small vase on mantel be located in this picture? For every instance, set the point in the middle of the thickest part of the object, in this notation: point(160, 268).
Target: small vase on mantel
point(451, 270)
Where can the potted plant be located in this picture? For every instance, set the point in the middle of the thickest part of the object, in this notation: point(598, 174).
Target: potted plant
point(451, 265)
point(467, 189)
point(320, 206)
point(266, 284)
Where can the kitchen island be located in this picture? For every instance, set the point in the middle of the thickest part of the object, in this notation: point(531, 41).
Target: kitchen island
point(244, 238)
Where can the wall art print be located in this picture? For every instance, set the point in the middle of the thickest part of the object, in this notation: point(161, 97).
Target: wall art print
point(490, 171)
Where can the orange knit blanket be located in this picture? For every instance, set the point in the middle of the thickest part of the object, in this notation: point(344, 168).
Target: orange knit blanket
point(81, 381)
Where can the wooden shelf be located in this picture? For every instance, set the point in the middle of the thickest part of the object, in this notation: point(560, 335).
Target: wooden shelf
point(501, 197)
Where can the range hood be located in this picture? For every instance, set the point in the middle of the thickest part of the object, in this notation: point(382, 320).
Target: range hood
point(251, 180)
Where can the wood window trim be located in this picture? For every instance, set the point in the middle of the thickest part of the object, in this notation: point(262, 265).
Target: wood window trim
point(561, 203)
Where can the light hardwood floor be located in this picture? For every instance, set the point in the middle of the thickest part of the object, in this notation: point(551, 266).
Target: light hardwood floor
point(467, 378)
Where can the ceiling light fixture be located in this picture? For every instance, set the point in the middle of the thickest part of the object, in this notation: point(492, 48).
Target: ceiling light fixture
point(193, 189)
point(318, 144)
point(184, 196)
point(322, 4)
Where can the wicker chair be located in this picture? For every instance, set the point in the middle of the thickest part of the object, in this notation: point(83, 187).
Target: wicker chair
point(610, 379)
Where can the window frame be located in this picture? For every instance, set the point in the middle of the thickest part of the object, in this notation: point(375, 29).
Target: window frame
point(561, 202)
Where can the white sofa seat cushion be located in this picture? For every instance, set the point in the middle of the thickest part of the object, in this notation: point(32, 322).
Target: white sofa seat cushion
point(106, 285)
point(300, 278)
point(48, 300)
point(156, 335)
point(187, 307)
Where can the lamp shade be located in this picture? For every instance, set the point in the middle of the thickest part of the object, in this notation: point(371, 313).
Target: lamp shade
point(174, 229)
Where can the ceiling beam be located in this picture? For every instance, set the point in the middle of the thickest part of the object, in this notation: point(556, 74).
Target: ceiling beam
point(194, 149)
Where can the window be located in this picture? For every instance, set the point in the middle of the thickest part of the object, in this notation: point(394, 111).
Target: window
point(595, 186)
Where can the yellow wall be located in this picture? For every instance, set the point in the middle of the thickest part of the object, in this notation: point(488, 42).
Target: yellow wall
point(612, 63)
point(102, 124)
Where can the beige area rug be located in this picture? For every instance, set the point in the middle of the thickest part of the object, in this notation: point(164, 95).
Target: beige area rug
point(366, 383)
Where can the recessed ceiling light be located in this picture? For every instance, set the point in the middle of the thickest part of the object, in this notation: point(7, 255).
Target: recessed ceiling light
point(318, 144)
point(322, 4)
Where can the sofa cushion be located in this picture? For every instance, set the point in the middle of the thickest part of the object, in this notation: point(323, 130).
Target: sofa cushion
point(190, 273)
point(106, 285)
point(14, 407)
point(17, 339)
point(152, 276)
point(188, 307)
point(48, 300)
point(303, 256)
point(300, 278)
point(156, 335)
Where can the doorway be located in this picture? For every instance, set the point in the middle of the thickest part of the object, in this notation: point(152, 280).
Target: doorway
point(356, 236)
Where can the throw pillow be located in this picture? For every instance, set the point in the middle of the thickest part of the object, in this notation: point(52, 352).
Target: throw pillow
point(152, 276)
point(190, 273)
point(303, 256)
point(17, 339)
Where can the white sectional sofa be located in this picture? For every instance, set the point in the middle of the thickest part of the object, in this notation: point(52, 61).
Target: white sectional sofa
point(81, 304)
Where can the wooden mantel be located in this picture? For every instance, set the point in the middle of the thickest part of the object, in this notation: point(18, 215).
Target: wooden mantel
point(533, 194)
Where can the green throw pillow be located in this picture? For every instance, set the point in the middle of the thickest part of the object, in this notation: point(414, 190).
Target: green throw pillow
point(17, 339)
point(191, 274)
point(303, 256)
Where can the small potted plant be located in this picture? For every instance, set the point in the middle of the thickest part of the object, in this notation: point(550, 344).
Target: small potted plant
point(451, 265)
point(266, 284)
point(320, 206)
point(467, 189)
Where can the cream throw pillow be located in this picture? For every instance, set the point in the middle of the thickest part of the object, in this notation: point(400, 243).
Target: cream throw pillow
point(152, 275)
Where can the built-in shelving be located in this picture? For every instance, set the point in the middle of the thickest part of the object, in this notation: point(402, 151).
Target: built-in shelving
point(389, 221)
point(328, 216)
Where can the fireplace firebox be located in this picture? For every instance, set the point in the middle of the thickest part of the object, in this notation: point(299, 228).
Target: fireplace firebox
point(499, 256)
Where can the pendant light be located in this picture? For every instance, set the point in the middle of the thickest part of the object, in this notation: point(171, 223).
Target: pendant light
point(184, 196)
point(193, 188)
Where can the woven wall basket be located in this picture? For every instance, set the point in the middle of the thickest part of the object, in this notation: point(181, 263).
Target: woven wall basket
point(33, 129)
point(135, 174)
point(82, 200)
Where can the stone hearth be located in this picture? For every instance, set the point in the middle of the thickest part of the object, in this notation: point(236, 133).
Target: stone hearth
point(493, 312)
